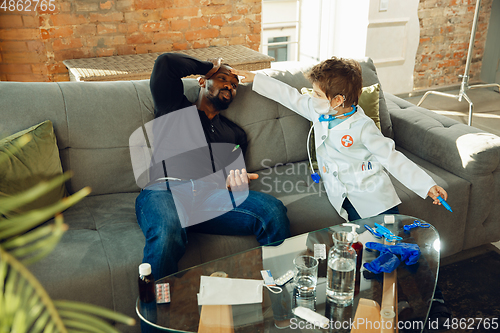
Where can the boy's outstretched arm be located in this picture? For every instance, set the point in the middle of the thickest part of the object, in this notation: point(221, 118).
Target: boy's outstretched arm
point(436, 191)
point(280, 92)
point(247, 75)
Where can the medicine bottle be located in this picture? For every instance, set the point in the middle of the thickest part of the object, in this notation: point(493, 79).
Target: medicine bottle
point(146, 284)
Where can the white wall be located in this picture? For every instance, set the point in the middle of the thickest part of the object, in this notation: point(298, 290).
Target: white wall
point(392, 41)
point(279, 20)
point(351, 29)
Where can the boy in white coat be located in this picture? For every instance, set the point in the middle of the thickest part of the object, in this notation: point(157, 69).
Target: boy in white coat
point(351, 152)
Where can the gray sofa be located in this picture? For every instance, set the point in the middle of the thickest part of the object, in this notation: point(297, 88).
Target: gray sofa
point(97, 259)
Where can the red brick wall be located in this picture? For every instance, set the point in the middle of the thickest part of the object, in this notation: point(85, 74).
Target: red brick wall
point(445, 27)
point(34, 44)
point(21, 50)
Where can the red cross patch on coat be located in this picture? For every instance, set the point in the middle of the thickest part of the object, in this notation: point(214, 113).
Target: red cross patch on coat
point(347, 141)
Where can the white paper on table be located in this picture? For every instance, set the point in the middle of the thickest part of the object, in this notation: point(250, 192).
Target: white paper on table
point(225, 291)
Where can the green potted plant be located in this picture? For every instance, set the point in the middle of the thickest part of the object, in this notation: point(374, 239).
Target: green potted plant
point(25, 238)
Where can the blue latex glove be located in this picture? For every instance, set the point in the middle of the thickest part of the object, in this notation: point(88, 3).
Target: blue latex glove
point(385, 263)
point(388, 259)
point(409, 252)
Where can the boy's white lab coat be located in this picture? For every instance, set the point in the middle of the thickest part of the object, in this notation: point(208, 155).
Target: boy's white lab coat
point(352, 155)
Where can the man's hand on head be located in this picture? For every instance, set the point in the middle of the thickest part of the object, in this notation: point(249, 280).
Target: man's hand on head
point(217, 62)
point(238, 181)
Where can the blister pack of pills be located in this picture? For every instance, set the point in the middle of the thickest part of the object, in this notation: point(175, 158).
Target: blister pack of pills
point(284, 278)
point(320, 251)
point(162, 293)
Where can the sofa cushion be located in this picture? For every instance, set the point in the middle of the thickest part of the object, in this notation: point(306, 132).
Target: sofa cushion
point(23, 167)
point(459, 190)
point(97, 259)
point(97, 149)
point(308, 207)
point(463, 150)
point(369, 102)
point(370, 77)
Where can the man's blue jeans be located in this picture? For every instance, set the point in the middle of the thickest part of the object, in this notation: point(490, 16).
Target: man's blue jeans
point(259, 214)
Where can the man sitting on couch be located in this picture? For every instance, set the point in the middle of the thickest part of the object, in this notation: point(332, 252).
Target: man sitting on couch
point(259, 214)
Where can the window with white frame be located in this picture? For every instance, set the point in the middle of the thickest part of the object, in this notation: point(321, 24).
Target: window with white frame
point(280, 29)
point(277, 47)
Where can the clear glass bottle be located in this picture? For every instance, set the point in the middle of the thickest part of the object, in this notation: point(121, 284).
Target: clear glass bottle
point(341, 271)
point(358, 247)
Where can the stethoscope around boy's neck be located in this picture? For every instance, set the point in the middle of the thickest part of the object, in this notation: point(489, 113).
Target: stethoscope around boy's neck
point(323, 107)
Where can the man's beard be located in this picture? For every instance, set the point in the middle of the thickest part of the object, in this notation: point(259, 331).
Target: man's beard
point(219, 103)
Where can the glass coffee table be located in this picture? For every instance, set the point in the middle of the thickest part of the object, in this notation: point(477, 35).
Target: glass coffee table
point(415, 284)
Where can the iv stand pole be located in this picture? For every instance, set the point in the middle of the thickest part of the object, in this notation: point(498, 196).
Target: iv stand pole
point(465, 78)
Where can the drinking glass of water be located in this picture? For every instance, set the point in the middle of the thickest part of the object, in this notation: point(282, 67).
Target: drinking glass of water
point(306, 274)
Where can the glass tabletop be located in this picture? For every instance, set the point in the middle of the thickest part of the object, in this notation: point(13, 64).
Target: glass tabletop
point(415, 284)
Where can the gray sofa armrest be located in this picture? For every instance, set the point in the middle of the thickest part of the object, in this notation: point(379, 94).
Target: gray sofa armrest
point(465, 151)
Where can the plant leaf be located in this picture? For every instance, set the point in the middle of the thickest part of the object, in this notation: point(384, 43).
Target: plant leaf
point(95, 310)
point(40, 247)
point(24, 304)
point(20, 224)
point(12, 302)
point(12, 202)
point(96, 322)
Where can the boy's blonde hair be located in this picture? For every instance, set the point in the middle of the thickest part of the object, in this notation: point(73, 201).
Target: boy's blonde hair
point(338, 76)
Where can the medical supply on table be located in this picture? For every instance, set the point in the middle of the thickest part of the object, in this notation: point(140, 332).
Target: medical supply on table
point(341, 271)
point(389, 219)
point(388, 259)
point(416, 224)
point(320, 251)
point(358, 247)
point(236, 147)
point(162, 293)
point(146, 284)
point(381, 231)
point(311, 316)
point(228, 291)
point(268, 277)
point(282, 280)
point(444, 203)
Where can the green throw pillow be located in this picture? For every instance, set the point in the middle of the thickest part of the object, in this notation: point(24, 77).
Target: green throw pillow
point(368, 101)
point(36, 161)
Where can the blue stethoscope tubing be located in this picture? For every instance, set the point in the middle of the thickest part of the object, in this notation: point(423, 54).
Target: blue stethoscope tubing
point(314, 175)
